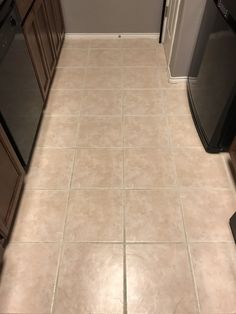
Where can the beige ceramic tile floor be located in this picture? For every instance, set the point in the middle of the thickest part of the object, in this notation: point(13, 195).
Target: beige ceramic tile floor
point(123, 211)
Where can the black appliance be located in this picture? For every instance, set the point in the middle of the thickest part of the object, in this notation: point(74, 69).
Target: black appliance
point(212, 77)
point(21, 102)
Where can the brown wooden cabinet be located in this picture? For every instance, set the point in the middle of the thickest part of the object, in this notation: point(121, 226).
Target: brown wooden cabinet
point(11, 182)
point(44, 33)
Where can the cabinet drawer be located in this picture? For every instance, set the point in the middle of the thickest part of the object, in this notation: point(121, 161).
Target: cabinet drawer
point(23, 7)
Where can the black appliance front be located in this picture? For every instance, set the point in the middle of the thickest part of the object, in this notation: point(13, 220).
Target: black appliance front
point(212, 78)
point(21, 102)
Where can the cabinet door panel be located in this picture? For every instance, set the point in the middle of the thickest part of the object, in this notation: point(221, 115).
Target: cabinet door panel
point(33, 40)
point(52, 22)
point(11, 182)
point(45, 34)
point(59, 19)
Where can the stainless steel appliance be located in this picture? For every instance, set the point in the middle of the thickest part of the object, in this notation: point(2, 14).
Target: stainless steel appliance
point(212, 78)
point(21, 102)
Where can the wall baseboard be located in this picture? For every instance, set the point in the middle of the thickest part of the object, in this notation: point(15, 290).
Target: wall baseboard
point(111, 35)
point(176, 79)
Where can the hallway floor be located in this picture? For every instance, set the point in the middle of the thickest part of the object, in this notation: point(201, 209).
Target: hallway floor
point(123, 211)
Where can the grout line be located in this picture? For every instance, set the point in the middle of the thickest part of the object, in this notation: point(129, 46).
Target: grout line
point(125, 301)
point(129, 242)
point(118, 48)
point(183, 221)
point(117, 89)
point(132, 189)
point(120, 67)
point(59, 261)
point(63, 235)
point(190, 259)
point(188, 251)
point(158, 88)
point(88, 57)
point(125, 305)
point(94, 242)
point(157, 147)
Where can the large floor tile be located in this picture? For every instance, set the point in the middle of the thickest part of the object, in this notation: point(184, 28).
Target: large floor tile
point(63, 102)
point(159, 279)
point(72, 57)
point(175, 101)
point(102, 102)
point(40, 217)
point(140, 57)
point(105, 57)
point(103, 78)
point(28, 278)
point(215, 269)
point(58, 131)
point(69, 78)
point(95, 215)
point(143, 102)
point(90, 280)
point(105, 43)
point(153, 215)
point(140, 77)
point(146, 132)
point(148, 168)
point(207, 213)
point(182, 131)
point(76, 42)
point(98, 168)
point(50, 169)
point(196, 168)
point(146, 43)
point(100, 132)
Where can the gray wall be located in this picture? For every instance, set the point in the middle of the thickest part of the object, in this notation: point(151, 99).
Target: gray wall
point(186, 35)
point(112, 16)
